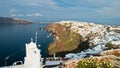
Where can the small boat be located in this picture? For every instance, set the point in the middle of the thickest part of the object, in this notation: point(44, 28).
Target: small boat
point(41, 29)
point(48, 36)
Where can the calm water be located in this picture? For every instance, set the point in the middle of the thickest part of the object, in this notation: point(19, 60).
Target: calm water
point(14, 37)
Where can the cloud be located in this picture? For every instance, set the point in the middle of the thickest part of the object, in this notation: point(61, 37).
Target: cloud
point(34, 14)
point(13, 10)
point(108, 12)
point(13, 15)
point(37, 14)
point(40, 3)
point(20, 15)
point(33, 4)
point(104, 9)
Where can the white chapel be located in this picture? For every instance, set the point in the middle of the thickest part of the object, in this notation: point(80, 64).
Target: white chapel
point(33, 56)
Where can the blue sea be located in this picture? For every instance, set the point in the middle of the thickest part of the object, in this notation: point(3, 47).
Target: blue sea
point(14, 37)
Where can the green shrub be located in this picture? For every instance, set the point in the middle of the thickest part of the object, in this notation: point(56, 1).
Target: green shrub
point(109, 45)
point(94, 63)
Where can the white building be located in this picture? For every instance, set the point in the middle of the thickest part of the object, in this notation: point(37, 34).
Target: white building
point(33, 57)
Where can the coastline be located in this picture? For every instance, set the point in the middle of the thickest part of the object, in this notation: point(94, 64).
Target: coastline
point(52, 28)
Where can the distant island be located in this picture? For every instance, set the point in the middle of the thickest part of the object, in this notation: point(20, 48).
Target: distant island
point(7, 20)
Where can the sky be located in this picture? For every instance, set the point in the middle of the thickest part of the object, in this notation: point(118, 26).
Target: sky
point(101, 11)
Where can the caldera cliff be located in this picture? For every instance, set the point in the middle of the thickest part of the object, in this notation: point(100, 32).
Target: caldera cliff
point(74, 36)
point(66, 40)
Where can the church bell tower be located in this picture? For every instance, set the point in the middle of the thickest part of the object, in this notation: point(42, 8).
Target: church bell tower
point(33, 56)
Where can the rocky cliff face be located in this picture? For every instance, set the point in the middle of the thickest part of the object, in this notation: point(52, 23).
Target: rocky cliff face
point(65, 41)
point(6, 20)
point(72, 36)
